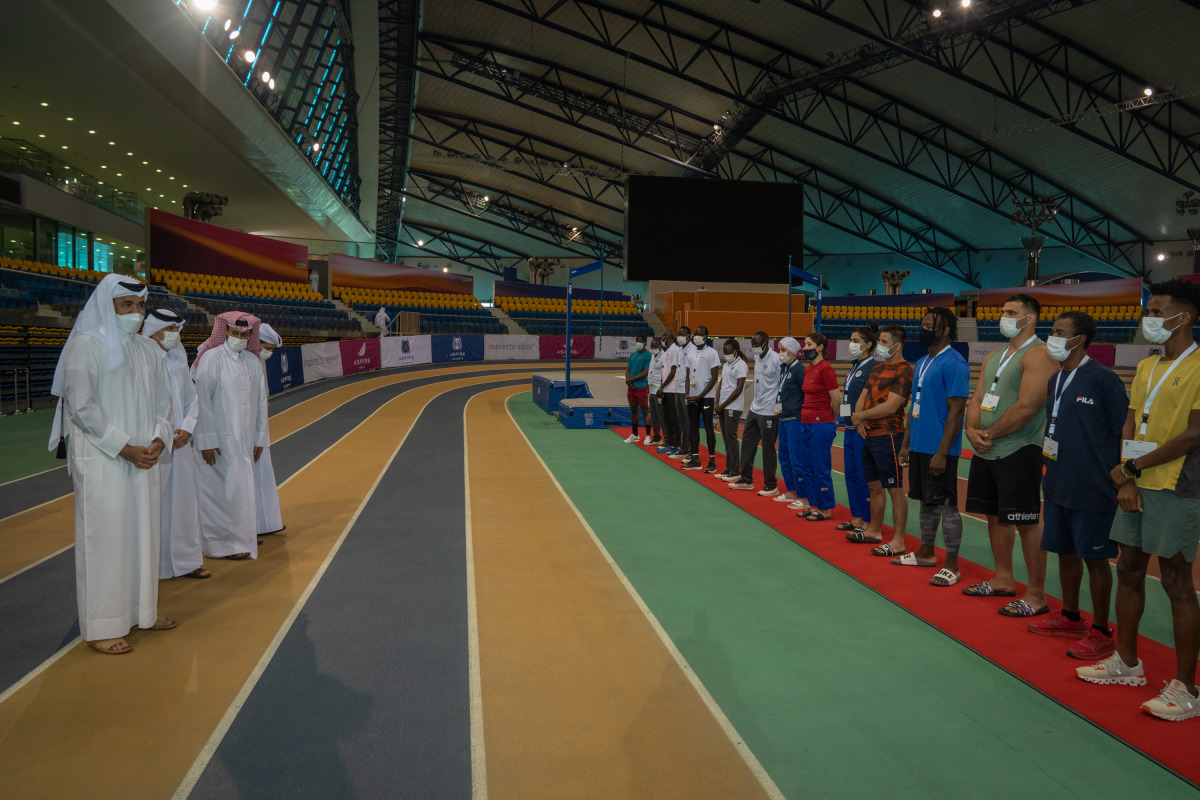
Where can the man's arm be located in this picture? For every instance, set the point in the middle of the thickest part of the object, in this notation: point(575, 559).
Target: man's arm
point(894, 403)
point(956, 407)
point(85, 362)
point(712, 381)
point(1036, 369)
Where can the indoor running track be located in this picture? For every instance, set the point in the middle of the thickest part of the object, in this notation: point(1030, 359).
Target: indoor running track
point(472, 601)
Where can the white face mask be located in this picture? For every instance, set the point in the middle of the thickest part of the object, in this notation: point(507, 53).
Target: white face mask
point(264, 354)
point(1056, 347)
point(1152, 328)
point(882, 352)
point(698, 341)
point(170, 340)
point(130, 323)
point(855, 349)
point(730, 358)
point(681, 340)
point(639, 346)
point(655, 351)
point(1009, 327)
point(786, 356)
point(235, 344)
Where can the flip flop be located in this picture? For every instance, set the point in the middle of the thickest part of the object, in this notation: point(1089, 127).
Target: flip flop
point(910, 560)
point(885, 551)
point(944, 577)
point(815, 516)
point(985, 589)
point(109, 650)
point(1019, 608)
point(859, 536)
point(845, 526)
point(197, 574)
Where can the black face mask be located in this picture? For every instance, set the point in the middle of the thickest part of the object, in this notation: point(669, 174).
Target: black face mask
point(809, 355)
point(927, 338)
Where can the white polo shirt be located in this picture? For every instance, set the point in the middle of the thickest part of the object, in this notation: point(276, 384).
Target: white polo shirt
point(671, 359)
point(702, 362)
point(768, 370)
point(731, 372)
point(656, 370)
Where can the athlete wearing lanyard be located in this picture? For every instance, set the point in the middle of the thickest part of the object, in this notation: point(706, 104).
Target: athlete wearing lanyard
point(1086, 407)
point(862, 348)
point(1005, 424)
point(1158, 491)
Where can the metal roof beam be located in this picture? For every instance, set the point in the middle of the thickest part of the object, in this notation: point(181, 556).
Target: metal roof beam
point(457, 246)
point(399, 22)
point(878, 126)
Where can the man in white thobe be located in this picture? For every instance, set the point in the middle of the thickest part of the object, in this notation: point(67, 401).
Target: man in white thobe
point(181, 556)
point(266, 490)
point(383, 321)
point(231, 433)
point(114, 412)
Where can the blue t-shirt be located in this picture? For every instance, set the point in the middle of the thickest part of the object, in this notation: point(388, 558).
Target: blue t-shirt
point(639, 361)
point(935, 381)
point(856, 379)
point(1091, 416)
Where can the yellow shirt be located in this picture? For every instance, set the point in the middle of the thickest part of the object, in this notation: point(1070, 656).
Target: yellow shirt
point(1176, 400)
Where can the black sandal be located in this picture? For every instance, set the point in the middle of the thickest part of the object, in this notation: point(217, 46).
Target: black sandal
point(813, 515)
point(846, 526)
point(859, 536)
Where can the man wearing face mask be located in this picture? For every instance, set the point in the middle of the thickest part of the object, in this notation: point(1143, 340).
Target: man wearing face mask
point(637, 370)
point(730, 403)
point(113, 423)
point(1005, 424)
point(1158, 493)
point(682, 359)
point(702, 372)
point(933, 441)
point(181, 556)
point(231, 433)
point(762, 423)
point(266, 490)
point(657, 426)
point(666, 395)
point(1086, 406)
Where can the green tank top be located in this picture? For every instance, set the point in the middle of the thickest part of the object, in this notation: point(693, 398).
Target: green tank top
point(1008, 388)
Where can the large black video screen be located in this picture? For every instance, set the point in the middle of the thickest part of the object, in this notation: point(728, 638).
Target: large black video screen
point(697, 229)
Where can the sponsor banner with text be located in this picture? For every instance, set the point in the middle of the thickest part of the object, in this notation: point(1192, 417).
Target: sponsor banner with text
point(285, 369)
point(322, 360)
point(360, 355)
point(614, 347)
point(403, 351)
point(1128, 355)
point(510, 347)
point(457, 347)
point(979, 351)
point(554, 348)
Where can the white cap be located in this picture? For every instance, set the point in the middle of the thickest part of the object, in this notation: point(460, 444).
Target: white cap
point(790, 344)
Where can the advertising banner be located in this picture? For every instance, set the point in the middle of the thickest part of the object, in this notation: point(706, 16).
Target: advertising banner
point(1103, 354)
point(457, 347)
point(360, 355)
point(554, 348)
point(979, 351)
point(187, 245)
point(322, 360)
point(614, 347)
point(510, 347)
point(285, 369)
point(1128, 355)
point(404, 351)
point(365, 273)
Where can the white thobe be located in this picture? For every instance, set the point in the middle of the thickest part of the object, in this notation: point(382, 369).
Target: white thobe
point(117, 505)
point(181, 551)
point(381, 320)
point(232, 392)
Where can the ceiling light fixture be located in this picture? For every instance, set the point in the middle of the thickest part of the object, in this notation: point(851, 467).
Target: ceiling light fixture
point(937, 12)
point(271, 83)
point(45, 105)
point(234, 34)
point(1162, 256)
point(205, 5)
point(966, 3)
point(249, 55)
point(266, 76)
point(70, 119)
point(228, 22)
point(420, 242)
point(1147, 91)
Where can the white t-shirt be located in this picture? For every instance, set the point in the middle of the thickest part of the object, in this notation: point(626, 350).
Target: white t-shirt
point(672, 359)
point(731, 372)
point(656, 370)
point(768, 370)
point(701, 363)
point(684, 359)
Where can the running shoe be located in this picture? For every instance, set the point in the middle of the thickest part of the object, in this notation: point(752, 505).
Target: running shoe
point(647, 441)
point(678, 456)
point(1093, 645)
point(1113, 670)
point(665, 450)
point(631, 438)
point(693, 464)
point(711, 468)
point(741, 485)
point(654, 442)
point(1058, 625)
point(730, 478)
point(768, 493)
point(1174, 703)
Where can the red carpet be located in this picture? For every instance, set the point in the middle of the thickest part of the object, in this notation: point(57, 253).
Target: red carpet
point(1040, 661)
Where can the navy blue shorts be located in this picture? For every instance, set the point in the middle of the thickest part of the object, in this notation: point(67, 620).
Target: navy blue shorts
point(1083, 533)
point(881, 460)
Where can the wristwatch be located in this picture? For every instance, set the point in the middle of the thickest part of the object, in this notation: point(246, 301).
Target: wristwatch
point(1130, 469)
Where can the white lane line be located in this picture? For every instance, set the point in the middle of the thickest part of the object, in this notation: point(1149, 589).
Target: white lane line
point(34, 475)
point(45, 665)
point(734, 737)
point(35, 508)
point(479, 789)
point(214, 741)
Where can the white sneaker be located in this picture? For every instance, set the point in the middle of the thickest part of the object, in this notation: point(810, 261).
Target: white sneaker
point(1174, 703)
point(769, 493)
point(783, 498)
point(1113, 670)
point(647, 441)
point(630, 439)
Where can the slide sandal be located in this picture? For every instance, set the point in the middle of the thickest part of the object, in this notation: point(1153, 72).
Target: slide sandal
point(985, 590)
point(944, 577)
point(910, 560)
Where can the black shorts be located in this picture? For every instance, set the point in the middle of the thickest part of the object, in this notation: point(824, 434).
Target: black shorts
point(1009, 488)
point(932, 489)
point(881, 460)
